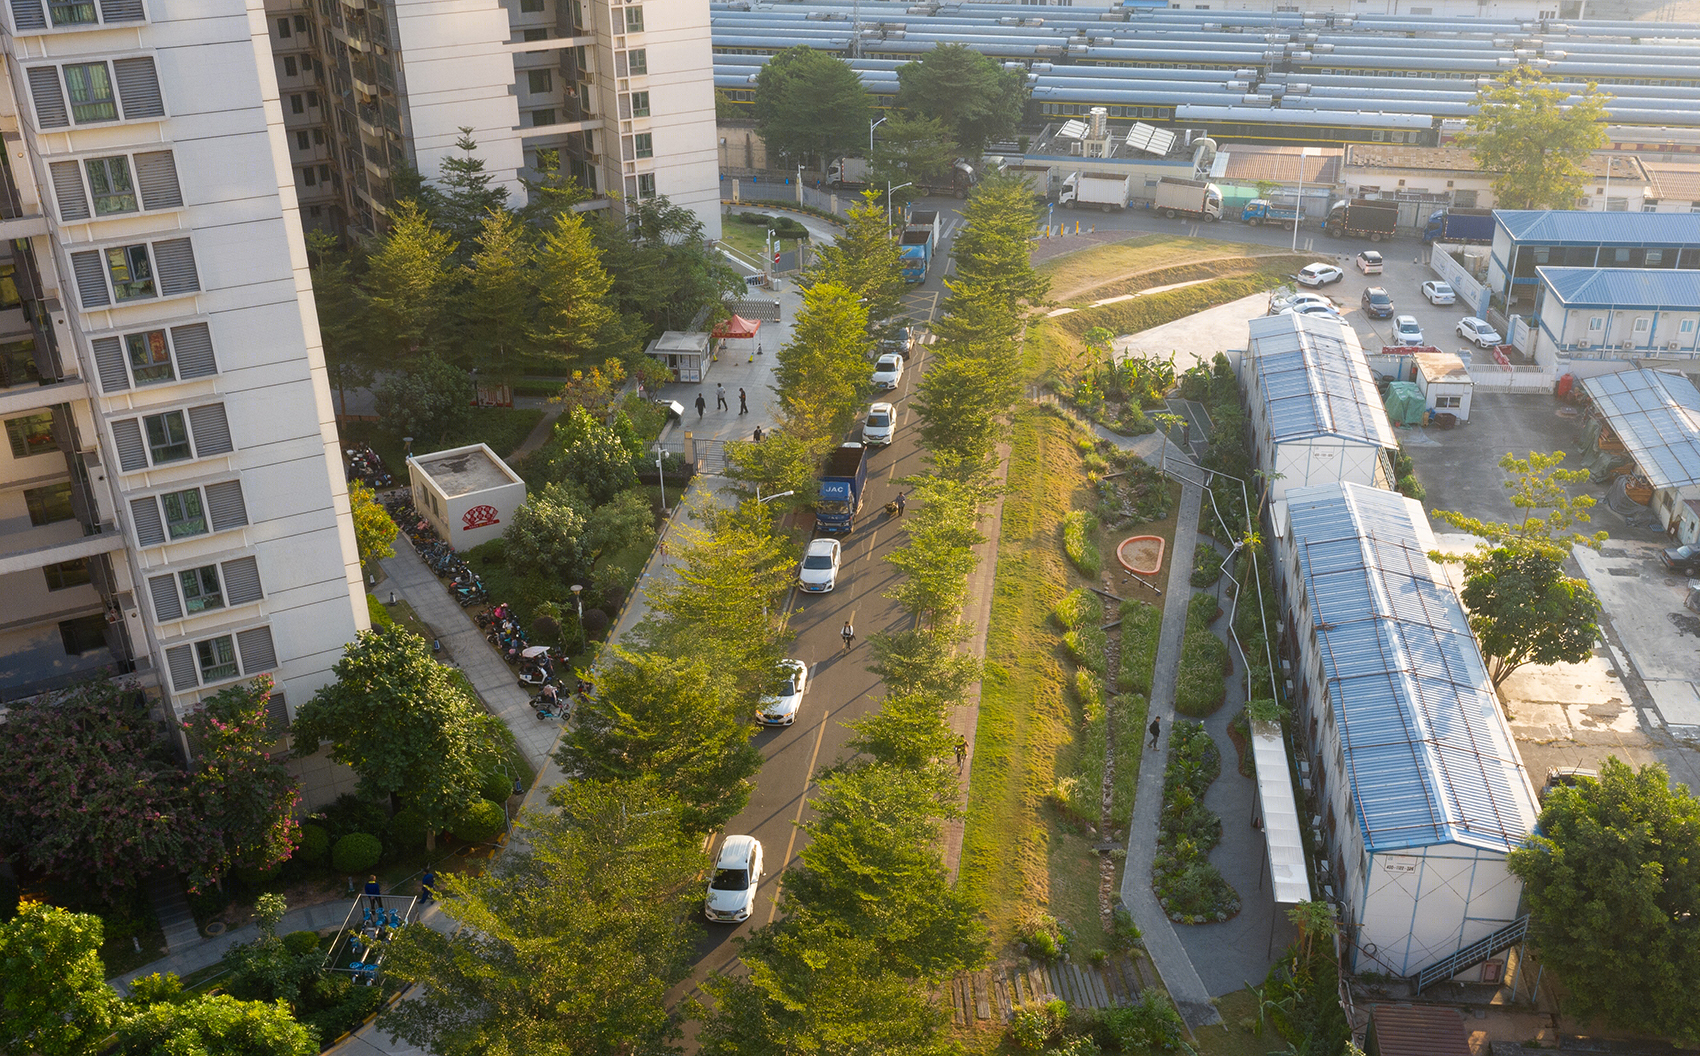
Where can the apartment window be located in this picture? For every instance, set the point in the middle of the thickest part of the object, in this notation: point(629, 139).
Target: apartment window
point(313, 100)
point(289, 66)
point(67, 574)
point(640, 104)
point(306, 64)
point(31, 434)
point(216, 658)
point(201, 590)
point(84, 634)
point(539, 82)
point(307, 176)
point(646, 185)
point(637, 62)
point(539, 118)
point(297, 105)
point(89, 86)
point(71, 14)
point(530, 7)
point(1596, 323)
point(1642, 325)
point(110, 185)
point(324, 174)
point(300, 23)
point(131, 272)
point(1448, 401)
point(17, 363)
point(149, 357)
point(1688, 326)
point(50, 504)
point(535, 34)
point(303, 141)
point(1649, 207)
point(283, 27)
point(643, 145)
point(168, 437)
point(184, 514)
point(634, 19)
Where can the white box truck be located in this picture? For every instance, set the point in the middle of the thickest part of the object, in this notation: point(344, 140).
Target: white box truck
point(1105, 192)
point(1194, 199)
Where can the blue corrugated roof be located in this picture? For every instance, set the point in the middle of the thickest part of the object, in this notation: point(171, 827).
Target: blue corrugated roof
point(1315, 381)
point(1657, 415)
point(1555, 226)
point(1428, 753)
point(1623, 287)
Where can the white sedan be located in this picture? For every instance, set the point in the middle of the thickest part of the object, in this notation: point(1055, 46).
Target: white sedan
point(888, 371)
point(1479, 331)
point(819, 571)
point(1407, 331)
point(1312, 308)
point(1293, 300)
point(781, 708)
point(1439, 293)
point(732, 891)
point(880, 425)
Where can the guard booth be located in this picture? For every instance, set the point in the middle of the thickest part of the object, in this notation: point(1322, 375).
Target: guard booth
point(686, 354)
point(467, 493)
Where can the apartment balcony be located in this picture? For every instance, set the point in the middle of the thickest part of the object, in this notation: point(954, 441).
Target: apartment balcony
point(23, 399)
point(560, 128)
point(22, 226)
point(367, 88)
point(52, 544)
point(377, 168)
point(36, 658)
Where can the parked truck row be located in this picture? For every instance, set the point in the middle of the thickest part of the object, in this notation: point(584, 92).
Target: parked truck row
point(1363, 218)
point(1472, 227)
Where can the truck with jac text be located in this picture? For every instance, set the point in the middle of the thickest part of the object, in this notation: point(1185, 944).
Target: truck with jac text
point(841, 485)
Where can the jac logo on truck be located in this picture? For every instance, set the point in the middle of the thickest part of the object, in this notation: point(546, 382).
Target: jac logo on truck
point(479, 517)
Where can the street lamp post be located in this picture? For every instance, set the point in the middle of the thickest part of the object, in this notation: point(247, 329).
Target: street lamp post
point(1299, 213)
point(763, 502)
point(871, 126)
point(661, 478)
point(889, 189)
point(578, 602)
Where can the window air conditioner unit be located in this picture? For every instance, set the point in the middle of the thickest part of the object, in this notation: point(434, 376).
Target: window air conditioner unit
point(1671, 347)
point(1077, 148)
point(1625, 346)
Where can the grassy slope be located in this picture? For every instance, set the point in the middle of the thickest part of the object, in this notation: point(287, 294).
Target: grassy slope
point(1105, 270)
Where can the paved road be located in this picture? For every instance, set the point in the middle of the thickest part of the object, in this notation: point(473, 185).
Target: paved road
point(841, 688)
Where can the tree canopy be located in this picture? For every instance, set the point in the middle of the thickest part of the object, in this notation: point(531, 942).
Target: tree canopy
point(1612, 880)
point(810, 105)
point(822, 371)
point(976, 98)
point(1525, 610)
point(1539, 485)
point(54, 1000)
point(1534, 138)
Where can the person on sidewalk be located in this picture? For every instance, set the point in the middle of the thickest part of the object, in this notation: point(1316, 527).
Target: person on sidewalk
point(374, 894)
point(961, 751)
point(758, 434)
point(1155, 729)
point(848, 634)
point(428, 886)
point(743, 403)
point(719, 397)
point(702, 405)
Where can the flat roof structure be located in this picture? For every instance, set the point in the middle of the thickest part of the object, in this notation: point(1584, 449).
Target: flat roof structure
point(1416, 1030)
point(1410, 158)
point(1289, 881)
point(464, 470)
point(1426, 748)
point(1441, 367)
point(1581, 227)
point(1655, 288)
point(1316, 381)
point(1657, 416)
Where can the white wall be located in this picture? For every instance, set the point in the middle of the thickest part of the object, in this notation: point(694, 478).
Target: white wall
point(1324, 460)
point(1418, 906)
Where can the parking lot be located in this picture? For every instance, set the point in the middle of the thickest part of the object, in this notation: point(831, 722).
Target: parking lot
point(1402, 277)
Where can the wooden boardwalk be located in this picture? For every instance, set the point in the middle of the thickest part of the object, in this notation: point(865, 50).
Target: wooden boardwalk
point(989, 997)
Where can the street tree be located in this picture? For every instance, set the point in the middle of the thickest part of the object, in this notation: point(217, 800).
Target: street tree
point(405, 724)
point(993, 254)
point(409, 281)
point(498, 294)
point(961, 400)
point(1525, 610)
point(54, 1000)
point(1540, 486)
point(344, 316)
point(545, 536)
point(664, 269)
point(569, 946)
point(977, 99)
point(553, 193)
point(907, 731)
point(811, 106)
point(1612, 879)
point(428, 398)
point(679, 722)
point(374, 528)
point(939, 556)
point(864, 260)
point(781, 462)
point(464, 194)
point(822, 371)
point(215, 1025)
point(575, 316)
point(246, 798)
point(923, 662)
point(921, 150)
point(1534, 139)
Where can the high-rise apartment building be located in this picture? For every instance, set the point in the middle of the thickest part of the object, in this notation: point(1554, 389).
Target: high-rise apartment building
point(622, 92)
point(172, 504)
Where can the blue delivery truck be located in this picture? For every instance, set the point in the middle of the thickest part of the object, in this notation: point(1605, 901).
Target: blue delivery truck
point(841, 485)
point(1473, 227)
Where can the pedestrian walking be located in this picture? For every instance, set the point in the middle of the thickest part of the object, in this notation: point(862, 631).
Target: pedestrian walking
point(427, 885)
point(743, 403)
point(374, 894)
point(758, 348)
point(702, 405)
point(848, 634)
point(902, 502)
point(1155, 729)
point(719, 397)
point(758, 434)
point(961, 752)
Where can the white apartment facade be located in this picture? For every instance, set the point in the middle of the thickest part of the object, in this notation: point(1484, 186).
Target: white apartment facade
point(622, 92)
point(172, 500)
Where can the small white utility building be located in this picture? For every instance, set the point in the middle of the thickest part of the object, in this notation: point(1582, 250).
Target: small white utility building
point(1419, 793)
point(1316, 417)
point(467, 493)
point(1445, 383)
point(1657, 416)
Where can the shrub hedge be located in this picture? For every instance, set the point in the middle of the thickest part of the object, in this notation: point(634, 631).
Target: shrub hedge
point(1200, 687)
point(1141, 625)
point(1080, 541)
point(1078, 608)
point(1190, 889)
point(357, 852)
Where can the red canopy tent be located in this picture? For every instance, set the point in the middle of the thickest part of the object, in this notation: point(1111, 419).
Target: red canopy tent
point(736, 327)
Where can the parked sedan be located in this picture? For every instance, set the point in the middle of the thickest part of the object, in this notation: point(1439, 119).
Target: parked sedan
point(1293, 300)
point(1682, 559)
point(732, 891)
point(1318, 275)
point(1309, 308)
point(1378, 302)
point(1439, 293)
point(1479, 331)
point(819, 571)
point(1369, 262)
point(879, 426)
point(888, 371)
point(781, 708)
point(1406, 331)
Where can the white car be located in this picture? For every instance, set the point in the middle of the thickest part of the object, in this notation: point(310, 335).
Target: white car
point(732, 891)
point(1293, 300)
point(1318, 275)
point(888, 371)
point(1311, 308)
point(1439, 293)
point(1406, 331)
point(880, 425)
point(819, 571)
point(781, 709)
point(1369, 262)
point(1479, 331)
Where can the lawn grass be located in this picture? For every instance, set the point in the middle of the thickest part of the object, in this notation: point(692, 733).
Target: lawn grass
point(1091, 271)
point(1230, 1037)
point(749, 239)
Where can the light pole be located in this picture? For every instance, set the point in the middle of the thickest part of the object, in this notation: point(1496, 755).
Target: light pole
point(661, 478)
point(763, 502)
point(889, 189)
point(1299, 213)
point(871, 126)
point(578, 602)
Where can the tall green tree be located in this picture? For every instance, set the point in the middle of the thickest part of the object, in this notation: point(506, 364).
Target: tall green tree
point(1534, 139)
point(781, 462)
point(664, 269)
point(374, 529)
point(405, 724)
point(552, 192)
point(811, 106)
point(1612, 880)
point(569, 946)
point(344, 316)
point(822, 372)
point(498, 298)
point(430, 399)
point(464, 192)
point(918, 149)
point(864, 260)
point(678, 722)
point(1525, 610)
point(54, 1000)
point(975, 97)
point(409, 281)
point(993, 254)
point(939, 555)
point(546, 536)
point(576, 313)
point(596, 456)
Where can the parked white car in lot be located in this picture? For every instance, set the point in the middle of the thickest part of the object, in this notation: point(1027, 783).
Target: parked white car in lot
point(1292, 300)
point(1479, 331)
point(1439, 293)
point(1406, 331)
point(888, 371)
point(1318, 275)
